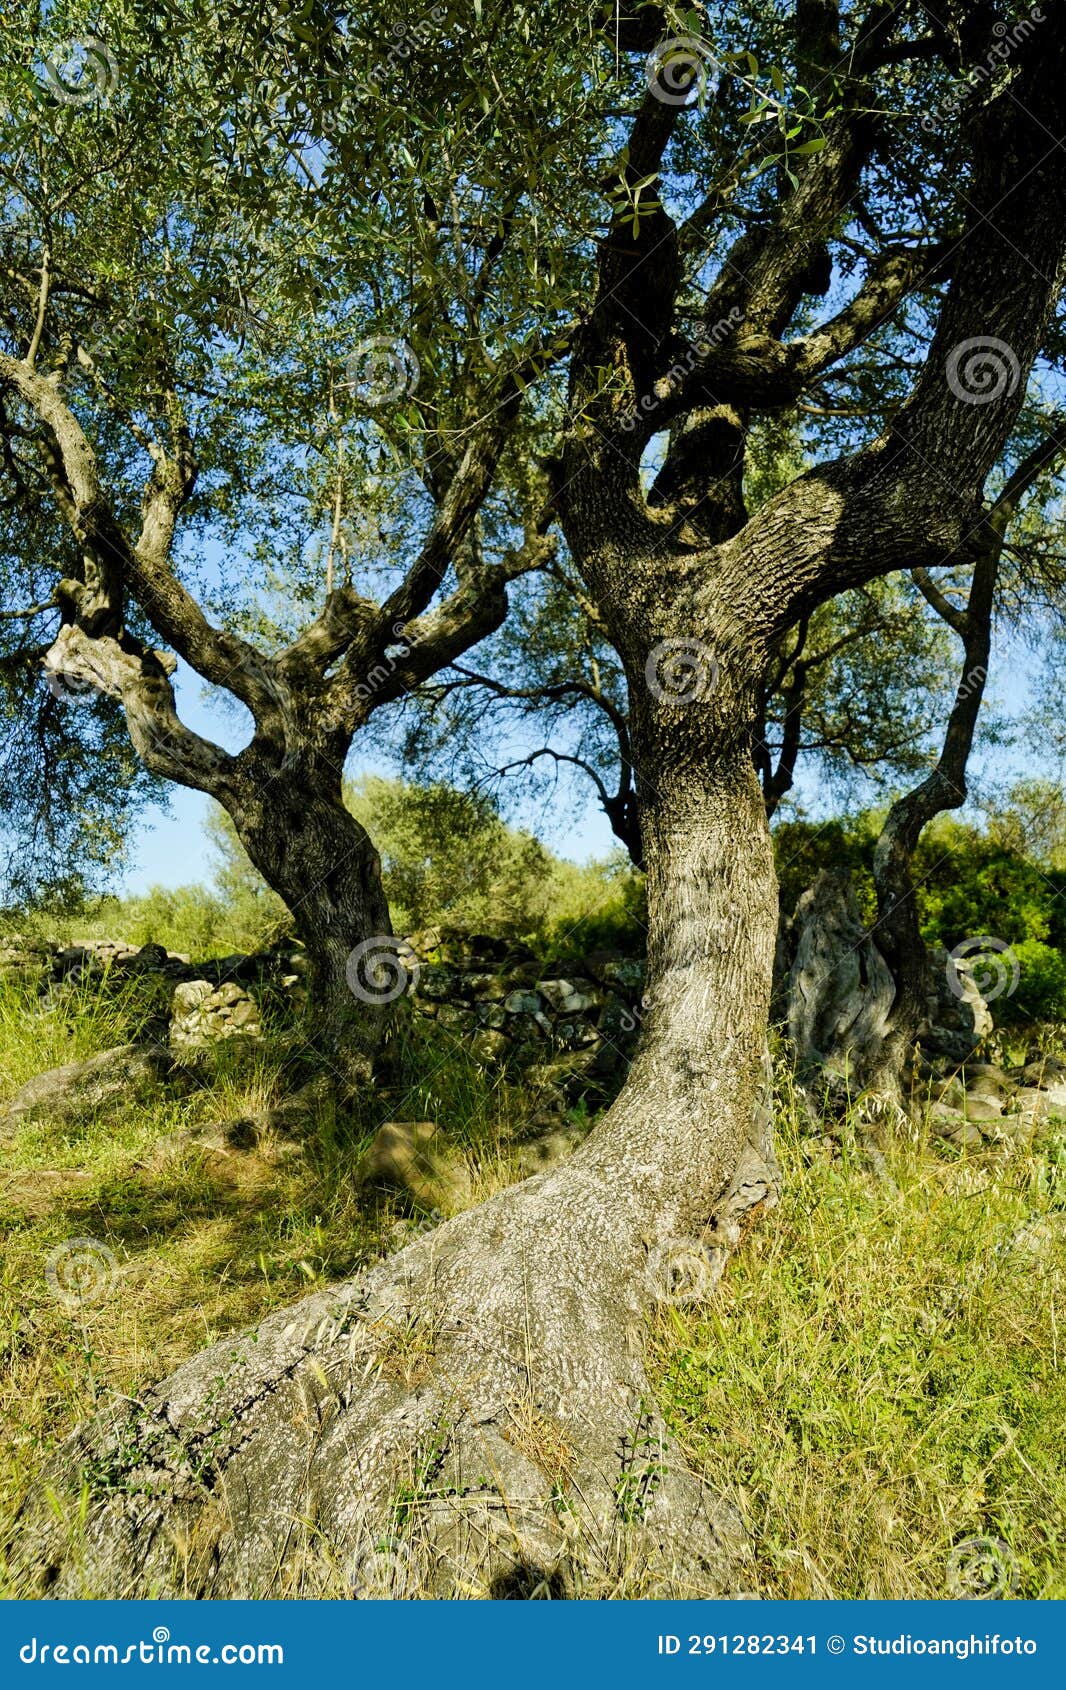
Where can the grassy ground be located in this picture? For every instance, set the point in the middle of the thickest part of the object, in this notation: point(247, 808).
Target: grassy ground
point(876, 1383)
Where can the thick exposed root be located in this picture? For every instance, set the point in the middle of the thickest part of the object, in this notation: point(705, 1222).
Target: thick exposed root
point(470, 1417)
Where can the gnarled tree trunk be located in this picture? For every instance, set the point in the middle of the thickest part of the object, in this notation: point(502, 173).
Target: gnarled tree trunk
point(897, 931)
point(322, 863)
point(473, 1415)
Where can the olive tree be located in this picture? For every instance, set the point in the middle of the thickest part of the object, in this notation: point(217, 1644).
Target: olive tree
point(771, 192)
point(241, 431)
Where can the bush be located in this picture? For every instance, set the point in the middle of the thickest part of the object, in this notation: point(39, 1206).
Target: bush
point(1041, 991)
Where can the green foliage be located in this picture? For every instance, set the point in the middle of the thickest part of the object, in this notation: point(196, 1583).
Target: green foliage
point(601, 904)
point(447, 856)
point(969, 881)
point(803, 848)
point(1041, 992)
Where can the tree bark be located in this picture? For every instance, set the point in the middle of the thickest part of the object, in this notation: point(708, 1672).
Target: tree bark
point(283, 794)
point(322, 863)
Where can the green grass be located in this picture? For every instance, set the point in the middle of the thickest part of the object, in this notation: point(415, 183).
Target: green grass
point(880, 1377)
point(878, 1380)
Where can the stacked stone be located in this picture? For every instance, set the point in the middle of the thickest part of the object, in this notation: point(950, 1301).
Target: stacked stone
point(981, 1103)
point(202, 1014)
point(570, 1028)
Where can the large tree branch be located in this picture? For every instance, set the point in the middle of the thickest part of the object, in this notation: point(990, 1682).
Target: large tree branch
point(123, 669)
point(420, 647)
point(914, 498)
point(114, 566)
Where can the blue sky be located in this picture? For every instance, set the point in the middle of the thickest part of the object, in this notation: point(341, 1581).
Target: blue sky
point(170, 847)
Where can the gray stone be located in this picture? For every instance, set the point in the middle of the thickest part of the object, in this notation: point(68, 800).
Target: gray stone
point(945, 1122)
point(408, 1155)
point(125, 1074)
point(489, 1045)
point(968, 1137)
point(983, 1108)
point(627, 974)
point(522, 1003)
point(189, 995)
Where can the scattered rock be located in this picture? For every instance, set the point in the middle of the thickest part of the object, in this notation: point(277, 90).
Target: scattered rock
point(123, 1075)
point(490, 1046)
point(983, 1108)
point(945, 1122)
point(967, 1136)
point(522, 1003)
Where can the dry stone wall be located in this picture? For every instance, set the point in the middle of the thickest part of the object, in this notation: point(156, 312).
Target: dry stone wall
point(567, 1029)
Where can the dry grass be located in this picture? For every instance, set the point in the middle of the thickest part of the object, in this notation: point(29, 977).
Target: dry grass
point(877, 1380)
